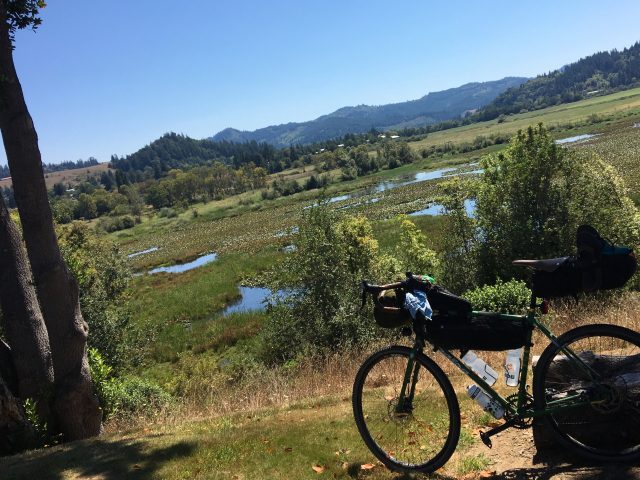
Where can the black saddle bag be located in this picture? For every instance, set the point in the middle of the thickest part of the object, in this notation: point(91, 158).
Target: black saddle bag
point(599, 265)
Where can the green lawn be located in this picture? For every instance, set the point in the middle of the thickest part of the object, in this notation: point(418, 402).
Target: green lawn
point(272, 444)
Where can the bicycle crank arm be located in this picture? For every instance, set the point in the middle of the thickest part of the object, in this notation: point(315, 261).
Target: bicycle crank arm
point(486, 436)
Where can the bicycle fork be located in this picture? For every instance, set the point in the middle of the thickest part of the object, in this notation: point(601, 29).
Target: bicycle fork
point(405, 399)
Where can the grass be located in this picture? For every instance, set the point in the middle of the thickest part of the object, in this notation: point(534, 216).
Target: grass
point(281, 444)
point(616, 105)
point(174, 310)
point(72, 177)
point(276, 425)
point(619, 146)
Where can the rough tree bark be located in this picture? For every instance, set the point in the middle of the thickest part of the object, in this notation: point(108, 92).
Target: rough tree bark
point(16, 433)
point(75, 405)
point(7, 368)
point(22, 320)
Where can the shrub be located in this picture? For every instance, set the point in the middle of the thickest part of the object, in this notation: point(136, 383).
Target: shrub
point(166, 212)
point(127, 395)
point(114, 224)
point(412, 253)
point(506, 297)
point(532, 197)
point(323, 275)
point(103, 276)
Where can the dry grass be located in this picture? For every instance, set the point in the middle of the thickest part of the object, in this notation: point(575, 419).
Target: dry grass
point(73, 177)
point(323, 379)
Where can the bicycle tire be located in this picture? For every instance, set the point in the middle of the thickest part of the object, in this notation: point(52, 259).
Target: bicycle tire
point(419, 441)
point(608, 428)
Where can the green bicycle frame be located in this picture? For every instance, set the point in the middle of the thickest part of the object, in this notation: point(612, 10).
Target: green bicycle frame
point(520, 408)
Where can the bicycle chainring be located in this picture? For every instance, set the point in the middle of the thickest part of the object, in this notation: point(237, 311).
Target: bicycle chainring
point(521, 423)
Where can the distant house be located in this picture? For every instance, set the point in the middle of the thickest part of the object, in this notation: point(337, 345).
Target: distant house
point(394, 136)
point(382, 136)
point(341, 145)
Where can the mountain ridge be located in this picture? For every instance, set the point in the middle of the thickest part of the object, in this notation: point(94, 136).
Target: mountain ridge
point(429, 109)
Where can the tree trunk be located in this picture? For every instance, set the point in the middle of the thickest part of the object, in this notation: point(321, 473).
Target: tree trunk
point(22, 319)
point(7, 368)
point(75, 403)
point(16, 433)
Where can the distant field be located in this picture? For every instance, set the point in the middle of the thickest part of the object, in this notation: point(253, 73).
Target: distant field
point(619, 104)
point(72, 177)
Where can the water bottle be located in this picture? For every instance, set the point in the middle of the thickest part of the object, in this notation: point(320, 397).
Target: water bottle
point(512, 367)
point(480, 367)
point(487, 403)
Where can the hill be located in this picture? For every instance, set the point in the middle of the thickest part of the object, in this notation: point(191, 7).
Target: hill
point(432, 108)
point(173, 150)
point(70, 176)
point(597, 74)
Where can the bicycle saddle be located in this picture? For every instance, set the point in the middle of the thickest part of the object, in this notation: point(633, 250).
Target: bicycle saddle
point(546, 265)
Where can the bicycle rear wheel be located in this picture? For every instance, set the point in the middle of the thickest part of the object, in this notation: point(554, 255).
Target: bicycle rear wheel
point(607, 427)
point(419, 437)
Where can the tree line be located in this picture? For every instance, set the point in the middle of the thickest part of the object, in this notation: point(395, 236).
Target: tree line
point(600, 73)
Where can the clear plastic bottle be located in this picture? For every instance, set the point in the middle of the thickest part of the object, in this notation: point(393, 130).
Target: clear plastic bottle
point(512, 367)
point(487, 403)
point(480, 367)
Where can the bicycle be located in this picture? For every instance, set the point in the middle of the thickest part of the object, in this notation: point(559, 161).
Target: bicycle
point(586, 388)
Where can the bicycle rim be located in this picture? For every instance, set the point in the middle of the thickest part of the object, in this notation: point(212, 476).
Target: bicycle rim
point(607, 427)
point(421, 436)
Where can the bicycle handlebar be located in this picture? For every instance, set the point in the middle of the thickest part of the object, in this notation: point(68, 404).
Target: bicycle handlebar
point(368, 288)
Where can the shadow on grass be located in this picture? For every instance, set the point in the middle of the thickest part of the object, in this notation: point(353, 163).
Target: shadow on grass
point(558, 463)
point(99, 459)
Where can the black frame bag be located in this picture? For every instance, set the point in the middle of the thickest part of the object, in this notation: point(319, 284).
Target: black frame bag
point(484, 332)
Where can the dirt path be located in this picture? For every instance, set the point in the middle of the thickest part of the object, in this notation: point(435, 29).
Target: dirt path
point(515, 457)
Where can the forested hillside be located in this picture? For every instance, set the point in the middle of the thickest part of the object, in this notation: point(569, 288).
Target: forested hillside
point(179, 151)
point(430, 109)
point(602, 72)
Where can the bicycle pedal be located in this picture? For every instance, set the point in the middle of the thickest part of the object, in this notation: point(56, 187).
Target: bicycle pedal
point(486, 439)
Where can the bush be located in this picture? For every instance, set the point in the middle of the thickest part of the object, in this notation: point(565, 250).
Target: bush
point(114, 224)
point(124, 396)
point(505, 297)
point(103, 276)
point(166, 212)
point(532, 197)
point(322, 313)
point(412, 253)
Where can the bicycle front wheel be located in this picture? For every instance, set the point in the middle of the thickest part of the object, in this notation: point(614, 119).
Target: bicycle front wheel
point(417, 435)
point(606, 425)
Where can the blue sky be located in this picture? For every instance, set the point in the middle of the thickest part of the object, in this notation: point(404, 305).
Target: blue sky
point(109, 77)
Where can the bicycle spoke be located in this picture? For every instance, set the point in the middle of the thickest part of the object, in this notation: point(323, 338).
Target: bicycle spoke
point(409, 435)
